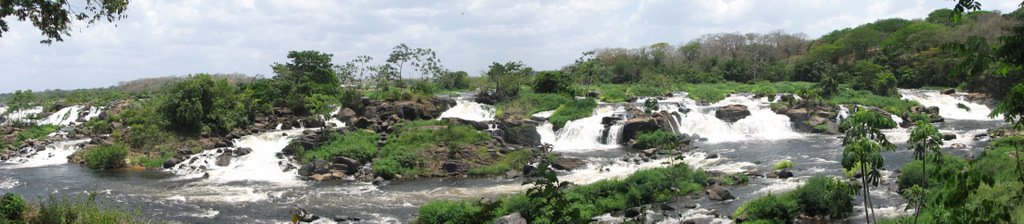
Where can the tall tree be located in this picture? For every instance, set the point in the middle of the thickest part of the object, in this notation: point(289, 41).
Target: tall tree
point(308, 74)
point(924, 140)
point(400, 54)
point(507, 78)
point(54, 17)
point(863, 143)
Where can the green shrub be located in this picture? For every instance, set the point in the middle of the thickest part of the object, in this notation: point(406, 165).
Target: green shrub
point(825, 196)
point(12, 207)
point(359, 145)
point(871, 118)
point(784, 164)
point(106, 157)
point(777, 209)
point(529, 103)
point(445, 211)
point(735, 179)
point(457, 136)
point(155, 161)
point(553, 82)
point(892, 104)
point(33, 132)
point(206, 104)
point(656, 139)
point(82, 209)
point(572, 111)
point(514, 160)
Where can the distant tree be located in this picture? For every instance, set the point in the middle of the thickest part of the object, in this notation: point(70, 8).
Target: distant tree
point(54, 17)
point(20, 100)
point(453, 80)
point(400, 54)
point(736, 70)
point(507, 78)
point(309, 73)
point(427, 64)
point(553, 82)
point(204, 104)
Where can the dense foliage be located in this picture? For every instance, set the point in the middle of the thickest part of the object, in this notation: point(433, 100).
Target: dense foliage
point(820, 196)
point(204, 104)
point(572, 111)
point(657, 139)
point(106, 157)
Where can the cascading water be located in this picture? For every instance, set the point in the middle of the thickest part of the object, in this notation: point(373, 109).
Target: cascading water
point(469, 110)
point(64, 117)
point(583, 134)
point(762, 123)
point(53, 154)
point(950, 106)
point(333, 121)
point(263, 164)
point(24, 115)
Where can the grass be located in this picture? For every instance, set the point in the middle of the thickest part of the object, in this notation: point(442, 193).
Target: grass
point(514, 160)
point(892, 104)
point(529, 103)
point(656, 139)
point(572, 111)
point(154, 161)
point(714, 92)
point(404, 152)
point(820, 196)
point(79, 208)
point(784, 164)
point(359, 145)
point(30, 133)
point(583, 201)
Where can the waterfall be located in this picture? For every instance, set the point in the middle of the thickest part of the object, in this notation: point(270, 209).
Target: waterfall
point(762, 123)
point(263, 164)
point(23, 115)
point(843, 113)
point(54, 154)
point(950, 106)
point(333, 121)
point(583, 134)
point(469, 110)
point(94, 112)
point(64, 117)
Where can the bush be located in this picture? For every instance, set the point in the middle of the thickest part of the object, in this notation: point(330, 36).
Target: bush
point(572, 111)
point(736, 179)
point(206, 104)
point(892, 104)
point(12, 207)
point(106, 157)
point(871, 118)
point(777, 209)
point(359, 145)
point(656, 139)
point(784, 164)
point(553, 82)
point(82, 209)
point(445, 211)
point(529, 103)
point(457, 136)
point(453, 80)
point(514, 160)
point(825, 196)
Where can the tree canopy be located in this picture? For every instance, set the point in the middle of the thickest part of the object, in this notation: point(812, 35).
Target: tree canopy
point(54, 18)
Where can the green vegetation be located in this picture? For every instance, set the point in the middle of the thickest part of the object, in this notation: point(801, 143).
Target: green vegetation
point(551, 201)
point(893, 105)
point(863, 145)
point(735, 179)
point(572, 111)
point(657, 139)
point(514, 160)
point(106, 157)
point(529, 103)
point(63, 210)
point(820, 196)
point(359, 145)
point(714, 92)
point(207, 105)
point(404, 153)
point(34, 132)
point(12, 207)
point(784, 164)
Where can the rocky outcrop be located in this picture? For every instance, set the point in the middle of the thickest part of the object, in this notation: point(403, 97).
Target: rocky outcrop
point(732, 113)
point(563, 163)
point(811, 117)
point(635, 126)
point(718, 193)
point(932, 114)
point(514, 218)
point(520, 131)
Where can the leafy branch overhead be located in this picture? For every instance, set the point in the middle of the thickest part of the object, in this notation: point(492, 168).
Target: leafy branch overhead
point(54, 18)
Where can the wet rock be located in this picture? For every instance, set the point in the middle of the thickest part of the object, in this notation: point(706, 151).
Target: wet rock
point(341, 218)
point(486, 98)
point(958, 145)
point(171, 162)
point(785, 173)
point(520, 131)
point(563, 163)
point(667, 207)
point(479, 125)
point(362, 123)
point(632, 212)
point(351, 164)
point(242, 151)
point(314, 123)
point(224, 159)
point(948, 136)
point(732, 113)
point(514, 218)
point(711, 156)
point(688, 222)
point(634, 127)
point(610, 120)
point(346, 115)
point(454, 166)
point(718, 193)
point(529, 170)
point(379, 181)
point(222, 144)
point(949, 91)
point(690, 205)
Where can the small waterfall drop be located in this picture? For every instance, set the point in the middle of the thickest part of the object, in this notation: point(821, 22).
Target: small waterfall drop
point(762, 123)
point(333, 121)
point(64, 117)
point(469, 110)
point(583, 134)
point(54, 154)
point(24, 115)
point(950, 106)
point(263, 164)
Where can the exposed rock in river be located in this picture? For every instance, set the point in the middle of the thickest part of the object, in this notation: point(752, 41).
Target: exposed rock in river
point(732, 113)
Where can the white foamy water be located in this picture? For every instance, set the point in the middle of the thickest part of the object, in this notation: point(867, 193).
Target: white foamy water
point(581, 135)
point(333, 121)
point(948, 104)
point(64, 117)
point(54, 154)
point(762, 124)
point(23, 115)
point(469, 110)
point(261, 165)
point(9, 182)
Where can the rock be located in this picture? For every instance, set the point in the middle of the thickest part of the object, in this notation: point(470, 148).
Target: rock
point(634, 127)
point(718, 193)
point(352, 164)
point(341, 218)
point(632, 212)
point(520, 131)
point(242, 151)
point(949, 91)
point(689, 222)
point(958, 145)
point(171, 162)
point(224, 159)
point(379, 181)
point(563, 163)
point(362, 123)
point(610, 120)
point(667, 207)
point(486, 98)
point(529, 170)
point(514, 218)
point(690, 205)
point(711, 156)
point(948, 136)
point(479, 125)
point(593, 94)
point(345, 115)
point(785, 173)
point(314, 123)
point(732, 113)
point(454, 166)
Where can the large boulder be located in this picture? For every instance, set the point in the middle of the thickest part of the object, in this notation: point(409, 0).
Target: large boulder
point(479, 125)
point(732, 113)
point(635, 126)
point(224, 159)
point(718, 193)
point(931, 112)
point(514, 218)
point(346, 115)
point(563, 163)
point(520, 132)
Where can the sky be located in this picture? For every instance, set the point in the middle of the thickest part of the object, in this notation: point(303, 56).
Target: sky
point(174, 38)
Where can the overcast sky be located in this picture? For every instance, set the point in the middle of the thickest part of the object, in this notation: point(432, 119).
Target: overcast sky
point(161, 38)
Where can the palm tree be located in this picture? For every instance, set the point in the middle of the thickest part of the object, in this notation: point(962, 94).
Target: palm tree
point(924, 139)
point(863, 143)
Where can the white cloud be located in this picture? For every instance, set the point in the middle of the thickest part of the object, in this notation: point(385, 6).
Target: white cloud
point(180, 37)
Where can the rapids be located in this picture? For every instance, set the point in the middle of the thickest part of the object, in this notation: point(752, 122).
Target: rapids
point(259, 187)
